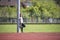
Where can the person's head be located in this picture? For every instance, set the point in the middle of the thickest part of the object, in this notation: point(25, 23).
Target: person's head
point(20, 15)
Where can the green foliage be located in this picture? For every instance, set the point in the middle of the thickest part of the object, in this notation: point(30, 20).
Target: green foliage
point(40, 8)
point(24, 12)
point(3, 11)
point(48, 7)
point(8, 12)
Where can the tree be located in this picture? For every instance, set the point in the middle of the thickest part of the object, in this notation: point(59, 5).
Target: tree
point(8, 12)
point(3, 11)
point(12, 12)
point(44, 8)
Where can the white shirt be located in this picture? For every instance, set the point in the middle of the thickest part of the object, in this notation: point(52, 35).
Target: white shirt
point(21, 19)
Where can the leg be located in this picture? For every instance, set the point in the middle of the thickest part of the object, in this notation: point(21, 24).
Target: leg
point(22, 29)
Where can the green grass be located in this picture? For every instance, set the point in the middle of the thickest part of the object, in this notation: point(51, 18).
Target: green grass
point(31, 28)
point(8, 28)
point(43, 28)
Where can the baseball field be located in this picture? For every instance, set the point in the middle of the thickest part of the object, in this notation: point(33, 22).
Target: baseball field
point(31, 28)
point(31, 32)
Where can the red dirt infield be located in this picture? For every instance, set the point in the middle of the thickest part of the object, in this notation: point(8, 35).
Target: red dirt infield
point(30, 36)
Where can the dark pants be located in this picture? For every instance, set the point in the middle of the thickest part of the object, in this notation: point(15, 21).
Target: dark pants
point(22, 26)
point(21, 29)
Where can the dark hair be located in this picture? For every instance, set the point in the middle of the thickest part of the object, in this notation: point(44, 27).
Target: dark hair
point(20, 15)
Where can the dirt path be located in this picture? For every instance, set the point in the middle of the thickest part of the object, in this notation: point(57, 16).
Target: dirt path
point(30, 36)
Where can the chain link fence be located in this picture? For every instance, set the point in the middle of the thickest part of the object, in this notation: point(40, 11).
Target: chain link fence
point(29, 20)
